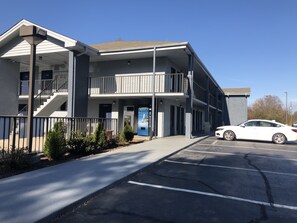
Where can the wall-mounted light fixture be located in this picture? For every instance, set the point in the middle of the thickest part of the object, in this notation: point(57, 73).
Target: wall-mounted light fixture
point(113, 102)
point(161, 102)
point(129, 62)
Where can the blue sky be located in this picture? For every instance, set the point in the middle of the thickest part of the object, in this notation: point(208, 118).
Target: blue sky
point(243, 43)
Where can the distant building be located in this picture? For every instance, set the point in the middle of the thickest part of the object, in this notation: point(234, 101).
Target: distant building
point(236, 105)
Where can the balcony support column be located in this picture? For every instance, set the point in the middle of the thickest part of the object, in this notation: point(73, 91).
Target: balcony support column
point(207, 112)
point(216, 124)
point(153, 124)
point(189, 100)
point(78, 72)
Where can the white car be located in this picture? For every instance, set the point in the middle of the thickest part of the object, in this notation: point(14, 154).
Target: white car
point(258, 129)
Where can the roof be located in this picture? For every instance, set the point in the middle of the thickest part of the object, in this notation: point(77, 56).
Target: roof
point(126, 45)
point(237, 91)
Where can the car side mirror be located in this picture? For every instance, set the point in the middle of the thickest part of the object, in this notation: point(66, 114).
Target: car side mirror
point(243, 126)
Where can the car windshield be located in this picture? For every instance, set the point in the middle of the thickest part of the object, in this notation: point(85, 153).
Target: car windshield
point(241, 123)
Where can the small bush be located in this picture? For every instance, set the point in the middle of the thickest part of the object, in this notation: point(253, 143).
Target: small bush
point(127, 133)
point(55, 143)
point(79, 144)
point(14, 159)
point(98, 130)
point(102, 139)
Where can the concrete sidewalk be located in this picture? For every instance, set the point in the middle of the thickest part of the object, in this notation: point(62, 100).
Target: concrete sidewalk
point(35, 195)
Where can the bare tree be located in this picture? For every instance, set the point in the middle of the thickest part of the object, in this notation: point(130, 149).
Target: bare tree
point(269, 107)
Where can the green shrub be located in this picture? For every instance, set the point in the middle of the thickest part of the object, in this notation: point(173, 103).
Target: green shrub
point(118, 139)
point(102, 139)
point(98, 130)
point(79, 144)
point(14, 159)
point(55, 143)
point(115, 141)
point(127, 133)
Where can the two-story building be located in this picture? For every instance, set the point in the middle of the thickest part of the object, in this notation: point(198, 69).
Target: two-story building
point(112, 80)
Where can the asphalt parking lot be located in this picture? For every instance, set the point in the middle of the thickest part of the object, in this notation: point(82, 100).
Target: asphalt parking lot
point(211, 181)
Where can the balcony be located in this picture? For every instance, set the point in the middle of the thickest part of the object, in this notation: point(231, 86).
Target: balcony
point(200, 93)
point(138, 84)
point(46, 86)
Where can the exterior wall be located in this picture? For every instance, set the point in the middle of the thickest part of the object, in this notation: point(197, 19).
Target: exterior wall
point(236, 109)
point(9, 76)
point(19, 47)
point(167, 119)
point(117, 67)
point(93, 107)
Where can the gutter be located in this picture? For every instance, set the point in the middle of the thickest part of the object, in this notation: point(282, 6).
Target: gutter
point(144, 49)
point(84, 49)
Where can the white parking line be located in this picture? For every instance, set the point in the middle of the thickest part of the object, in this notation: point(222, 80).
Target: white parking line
point(247, 147)
point(230, 167)
point(236, 154)
point(213, 195)
point(215, 142)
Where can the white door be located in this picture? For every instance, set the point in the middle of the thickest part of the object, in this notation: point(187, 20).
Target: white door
point(129, 116)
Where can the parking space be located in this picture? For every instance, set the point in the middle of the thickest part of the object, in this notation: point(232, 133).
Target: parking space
point(211, 181)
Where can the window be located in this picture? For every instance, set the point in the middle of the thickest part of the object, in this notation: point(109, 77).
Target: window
point(268, 124)
point(252, 124)
point(47, 75)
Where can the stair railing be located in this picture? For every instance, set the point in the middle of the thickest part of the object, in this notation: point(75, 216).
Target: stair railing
point(51, 88)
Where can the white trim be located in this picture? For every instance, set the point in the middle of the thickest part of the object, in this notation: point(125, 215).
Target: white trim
point(161, 48)
point(68, 42)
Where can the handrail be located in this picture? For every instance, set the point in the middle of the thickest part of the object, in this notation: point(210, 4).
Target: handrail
point(49, 87)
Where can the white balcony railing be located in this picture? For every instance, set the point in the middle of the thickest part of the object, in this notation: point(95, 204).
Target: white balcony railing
point(59, 79)
point(138, 83)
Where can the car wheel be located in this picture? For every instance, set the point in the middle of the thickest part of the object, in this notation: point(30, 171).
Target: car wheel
point(279, 138)
point(229, 135)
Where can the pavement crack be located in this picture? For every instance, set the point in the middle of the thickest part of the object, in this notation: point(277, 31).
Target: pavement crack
point(266, 181)
point(263, 215)
point(183, 178)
